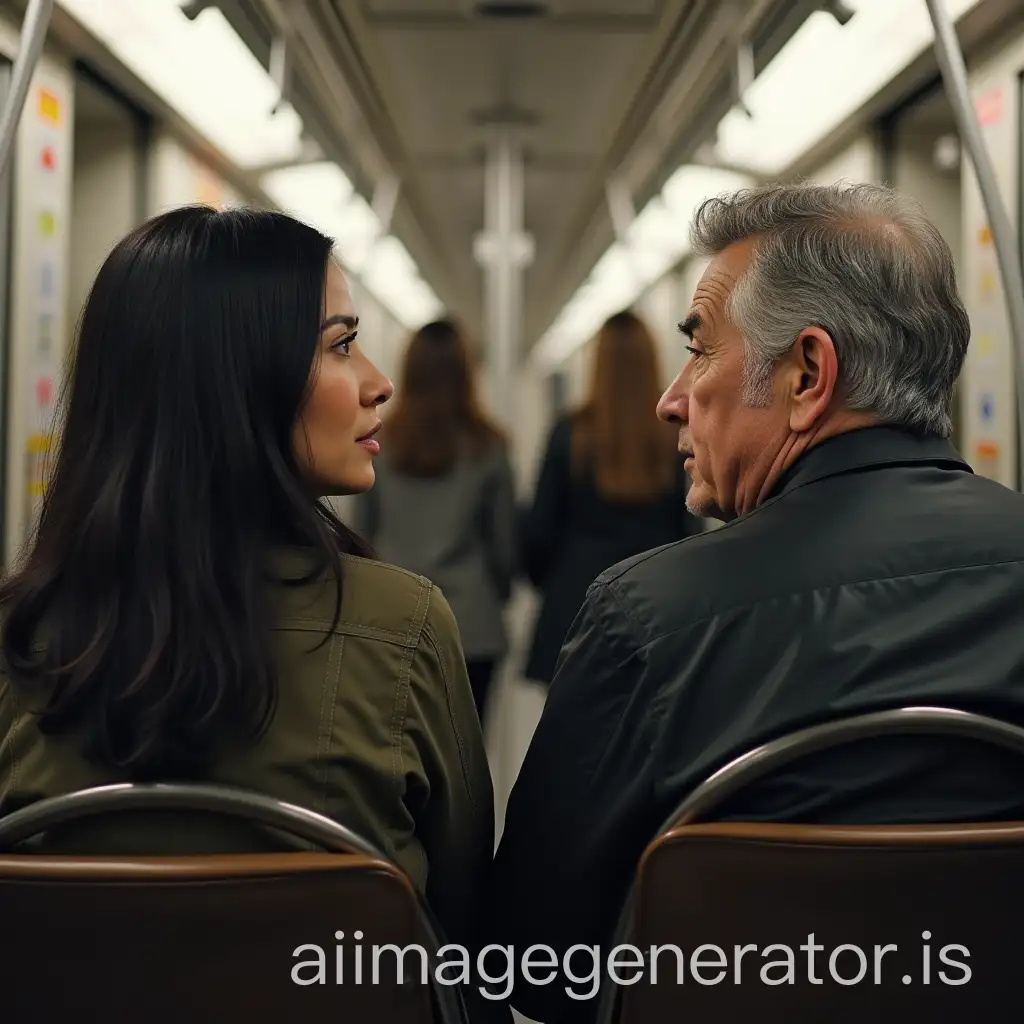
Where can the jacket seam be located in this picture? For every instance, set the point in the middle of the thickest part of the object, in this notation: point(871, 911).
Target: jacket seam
point(634, 626)
point(314, 625)
point(459, 742)
point(402, 686)
point(825, 588)
point(323, 747)
point(10, 740)
point(739, 521)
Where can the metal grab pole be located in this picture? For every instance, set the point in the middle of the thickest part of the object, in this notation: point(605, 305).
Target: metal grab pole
point(33, 35)
point(954, 74)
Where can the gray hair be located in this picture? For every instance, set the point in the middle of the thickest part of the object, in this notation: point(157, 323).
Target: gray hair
point(862, 262)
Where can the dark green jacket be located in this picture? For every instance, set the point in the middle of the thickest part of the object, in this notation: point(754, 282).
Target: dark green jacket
point(375, 728)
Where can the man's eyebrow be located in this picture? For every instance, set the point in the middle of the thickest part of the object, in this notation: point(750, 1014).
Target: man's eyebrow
point(351, 322)
point(691, 325)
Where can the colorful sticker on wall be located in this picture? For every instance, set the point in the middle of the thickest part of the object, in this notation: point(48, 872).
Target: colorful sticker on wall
point(47, 224)
point(44, 339)
point(987, 407)
point(48, 159)
point(47, 280)
point(49, 107)
point(44, 392)
point(37, 460)
point(989, 106)
point(986, 459)
point(984, 235)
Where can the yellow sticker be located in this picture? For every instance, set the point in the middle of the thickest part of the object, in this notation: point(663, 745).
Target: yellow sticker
point(49, 106)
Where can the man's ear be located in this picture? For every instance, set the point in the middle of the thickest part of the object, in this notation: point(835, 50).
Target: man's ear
point(814, 374)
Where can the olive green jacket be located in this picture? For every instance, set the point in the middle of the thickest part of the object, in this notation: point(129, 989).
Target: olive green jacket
point(376, 728)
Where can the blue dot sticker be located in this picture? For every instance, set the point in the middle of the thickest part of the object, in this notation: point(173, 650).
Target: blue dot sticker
point(987, 407)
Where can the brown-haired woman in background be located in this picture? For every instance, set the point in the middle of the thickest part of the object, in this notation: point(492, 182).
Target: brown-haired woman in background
point(444, 502)
point(611, 486)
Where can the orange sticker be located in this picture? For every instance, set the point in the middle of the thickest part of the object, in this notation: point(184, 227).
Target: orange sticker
point(986, 459)
point(985, 235)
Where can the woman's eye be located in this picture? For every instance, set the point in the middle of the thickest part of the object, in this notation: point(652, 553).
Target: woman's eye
point(694, 351)
point(343, 344)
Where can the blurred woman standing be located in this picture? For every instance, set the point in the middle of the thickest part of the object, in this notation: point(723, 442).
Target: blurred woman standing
point(611, 485)
point(444, 502)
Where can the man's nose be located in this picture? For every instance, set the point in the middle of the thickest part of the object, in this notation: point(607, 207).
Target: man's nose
point(672, 404)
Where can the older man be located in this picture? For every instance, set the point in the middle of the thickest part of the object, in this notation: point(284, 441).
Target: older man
point(862, 566)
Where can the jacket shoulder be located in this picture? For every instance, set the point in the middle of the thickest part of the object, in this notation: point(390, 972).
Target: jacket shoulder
point(654, 561)
point(664, 588)
point(378, 600)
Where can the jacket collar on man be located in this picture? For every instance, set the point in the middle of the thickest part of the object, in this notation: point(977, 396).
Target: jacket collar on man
point(867, 448)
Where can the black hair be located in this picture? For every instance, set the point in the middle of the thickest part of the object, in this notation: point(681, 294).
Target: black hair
point(140, 612)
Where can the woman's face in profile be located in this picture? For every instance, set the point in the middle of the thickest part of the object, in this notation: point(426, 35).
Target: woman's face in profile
point(332, 435)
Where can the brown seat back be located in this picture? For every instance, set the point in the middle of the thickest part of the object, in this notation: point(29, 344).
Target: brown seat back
point(191, 939)
point(757, 885)
point(259, 938)
point(926, 890)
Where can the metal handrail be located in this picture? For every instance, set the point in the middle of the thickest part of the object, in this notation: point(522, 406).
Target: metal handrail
point(254, 807)
point(298, 821)
point(33, 35)
point(759, 762)
point(954, 74)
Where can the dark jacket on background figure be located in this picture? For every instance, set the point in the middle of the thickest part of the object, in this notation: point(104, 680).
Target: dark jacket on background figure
point(571, 534)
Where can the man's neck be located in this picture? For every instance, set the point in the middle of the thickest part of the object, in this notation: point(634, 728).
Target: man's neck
point(796, 445)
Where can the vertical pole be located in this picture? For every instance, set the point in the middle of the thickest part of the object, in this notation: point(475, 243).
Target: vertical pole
point(504, 257)
point(954, 74)
point(33, 35)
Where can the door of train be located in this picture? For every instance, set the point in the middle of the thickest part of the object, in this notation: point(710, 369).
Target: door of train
point(5, 334)
point(78, 183)
point(922, 154)
point(108, 184)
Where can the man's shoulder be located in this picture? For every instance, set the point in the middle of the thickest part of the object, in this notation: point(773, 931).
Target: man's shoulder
point(688, 554)
point(812, 539)
point(668, 585)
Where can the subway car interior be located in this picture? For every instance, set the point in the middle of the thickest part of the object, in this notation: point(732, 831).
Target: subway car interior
point(527, 168)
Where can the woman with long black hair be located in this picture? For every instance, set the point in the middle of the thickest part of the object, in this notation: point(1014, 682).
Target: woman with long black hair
point(191, 608)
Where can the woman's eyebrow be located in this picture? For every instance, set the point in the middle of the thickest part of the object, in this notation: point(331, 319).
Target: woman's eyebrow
point(351, 322)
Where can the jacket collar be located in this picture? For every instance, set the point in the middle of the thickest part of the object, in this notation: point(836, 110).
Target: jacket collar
point(867, 448)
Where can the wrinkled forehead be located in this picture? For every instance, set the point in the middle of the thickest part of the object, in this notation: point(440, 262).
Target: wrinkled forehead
point(709, 306)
